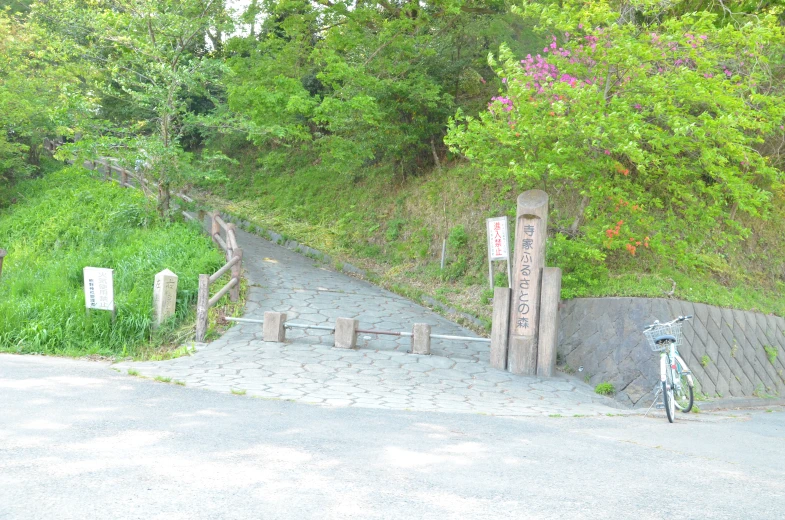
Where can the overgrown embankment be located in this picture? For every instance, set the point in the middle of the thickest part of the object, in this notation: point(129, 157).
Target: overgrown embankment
point(394, 227)
point(66, 221)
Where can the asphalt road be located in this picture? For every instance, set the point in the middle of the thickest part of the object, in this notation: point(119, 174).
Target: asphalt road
point(79, 441)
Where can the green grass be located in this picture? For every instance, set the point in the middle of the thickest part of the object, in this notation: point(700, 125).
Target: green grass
point(771, 353)
point(238, 392)
point(132, 372)
point(66, 221)
point(605, 388)
point(163, 379)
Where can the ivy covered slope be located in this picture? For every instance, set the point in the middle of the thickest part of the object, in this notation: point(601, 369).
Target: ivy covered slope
point(66, 221)
point(657, 131)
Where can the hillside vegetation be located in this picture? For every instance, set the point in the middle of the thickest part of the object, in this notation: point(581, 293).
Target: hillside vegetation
point(66, 221)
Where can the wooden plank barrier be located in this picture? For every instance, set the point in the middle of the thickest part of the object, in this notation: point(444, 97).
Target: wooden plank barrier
point(234, 257)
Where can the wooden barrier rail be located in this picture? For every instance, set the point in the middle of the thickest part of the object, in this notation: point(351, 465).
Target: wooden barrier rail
point(234, 257)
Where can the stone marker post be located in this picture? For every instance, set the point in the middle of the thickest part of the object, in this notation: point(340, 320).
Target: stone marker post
point(346, 332)
point(531, 228)
point(164, 296)
point(421, 339)
point(274, 326)
point(3, 252)
point(549, 321)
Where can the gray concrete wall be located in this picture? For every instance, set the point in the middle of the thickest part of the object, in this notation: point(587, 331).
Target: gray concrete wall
point(604, 336)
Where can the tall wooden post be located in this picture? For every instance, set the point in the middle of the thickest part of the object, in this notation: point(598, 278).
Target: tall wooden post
point(547, 342)
point(500, 327)
point(202, 306)
point(3, 252)
point(531, 229)
point(234, 294)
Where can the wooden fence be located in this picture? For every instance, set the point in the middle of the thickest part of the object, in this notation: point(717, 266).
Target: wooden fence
point(234, 260)
point(228, 242)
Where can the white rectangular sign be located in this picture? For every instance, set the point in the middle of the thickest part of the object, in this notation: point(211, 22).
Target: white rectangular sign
point(99, 288)
point(498, 243)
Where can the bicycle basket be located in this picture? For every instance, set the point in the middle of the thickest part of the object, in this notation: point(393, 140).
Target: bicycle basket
point(662, 329)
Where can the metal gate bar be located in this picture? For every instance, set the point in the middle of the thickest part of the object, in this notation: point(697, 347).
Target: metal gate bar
point(289, 325)
point(384, 332)
point(307, 326)
point(460, 338)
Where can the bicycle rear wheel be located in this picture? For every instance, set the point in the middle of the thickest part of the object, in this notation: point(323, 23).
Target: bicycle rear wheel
point(684, 394)
point(667, 397)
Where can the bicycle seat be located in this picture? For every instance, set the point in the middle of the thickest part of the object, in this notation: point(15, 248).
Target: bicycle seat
point(663, 339)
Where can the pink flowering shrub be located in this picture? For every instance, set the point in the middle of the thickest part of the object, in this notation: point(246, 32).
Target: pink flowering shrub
point(654, 124)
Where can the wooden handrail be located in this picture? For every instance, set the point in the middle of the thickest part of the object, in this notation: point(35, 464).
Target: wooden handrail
point(220, 272)
point(235, 259)
point(225, 289)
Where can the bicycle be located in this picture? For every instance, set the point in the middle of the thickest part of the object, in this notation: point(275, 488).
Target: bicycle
point(677, 385)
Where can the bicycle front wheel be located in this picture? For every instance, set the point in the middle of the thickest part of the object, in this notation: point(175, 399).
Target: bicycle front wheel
point(684, 394)
point(667, 398)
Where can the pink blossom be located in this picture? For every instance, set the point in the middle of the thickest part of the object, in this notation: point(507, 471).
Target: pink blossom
point(607, 152)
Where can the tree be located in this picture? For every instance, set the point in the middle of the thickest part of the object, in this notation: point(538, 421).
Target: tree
point(364, 83)
point(152, 58)
point(647, 126)
point(40, 94)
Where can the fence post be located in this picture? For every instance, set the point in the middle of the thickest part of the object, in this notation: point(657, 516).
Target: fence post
point(202, 307)
point(123, 177)
point(237, 268)
point(215, 228)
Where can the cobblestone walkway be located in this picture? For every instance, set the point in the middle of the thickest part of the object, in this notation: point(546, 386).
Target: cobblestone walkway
point(380, 373)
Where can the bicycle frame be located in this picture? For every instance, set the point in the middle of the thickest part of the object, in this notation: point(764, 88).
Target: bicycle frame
point(671, 360)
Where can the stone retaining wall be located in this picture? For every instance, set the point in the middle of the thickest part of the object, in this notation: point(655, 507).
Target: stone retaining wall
point(725, 348)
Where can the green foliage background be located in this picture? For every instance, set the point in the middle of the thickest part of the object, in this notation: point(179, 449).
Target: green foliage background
point(376, 131)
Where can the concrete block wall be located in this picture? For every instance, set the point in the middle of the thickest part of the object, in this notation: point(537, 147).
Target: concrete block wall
point(723, 347)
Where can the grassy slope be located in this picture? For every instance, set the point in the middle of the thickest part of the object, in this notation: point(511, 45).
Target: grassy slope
point(394, 228)
point(67, 221)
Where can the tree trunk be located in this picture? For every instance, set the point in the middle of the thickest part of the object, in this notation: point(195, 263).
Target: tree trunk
point(579, 217)
point(163, 198)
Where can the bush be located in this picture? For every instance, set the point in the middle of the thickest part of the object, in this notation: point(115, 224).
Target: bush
point(67, 221)
point(645, 126)
point(605, 388)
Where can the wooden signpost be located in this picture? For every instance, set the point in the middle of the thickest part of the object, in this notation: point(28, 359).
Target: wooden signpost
point(531, 228)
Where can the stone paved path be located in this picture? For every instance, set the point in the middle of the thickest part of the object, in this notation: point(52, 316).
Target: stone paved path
point(380, 373)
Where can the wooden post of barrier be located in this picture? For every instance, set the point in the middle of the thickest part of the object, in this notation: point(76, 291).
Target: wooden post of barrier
point(549, 321)
point(500, 327)
point(234, 295)
point(123, 177)
point(215, 227)
point(531, 229)
point(202, 306)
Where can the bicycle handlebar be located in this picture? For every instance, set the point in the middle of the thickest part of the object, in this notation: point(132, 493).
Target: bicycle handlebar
point(657, 323)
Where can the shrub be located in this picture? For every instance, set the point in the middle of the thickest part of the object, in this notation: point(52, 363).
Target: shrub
point(605, 388)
